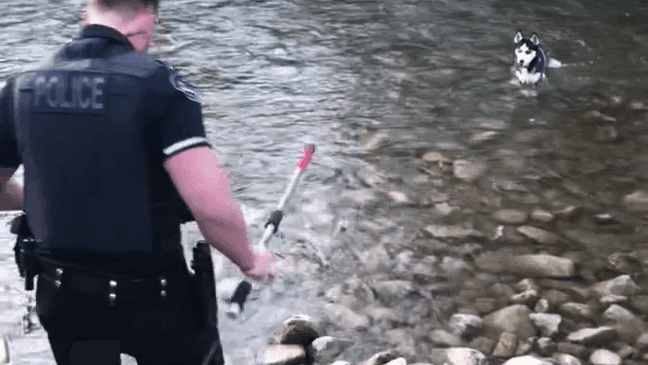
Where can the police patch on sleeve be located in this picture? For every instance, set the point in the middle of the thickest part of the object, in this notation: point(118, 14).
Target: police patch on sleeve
point(183, 86)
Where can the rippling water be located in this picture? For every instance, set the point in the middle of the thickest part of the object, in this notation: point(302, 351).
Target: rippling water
point(275, 75)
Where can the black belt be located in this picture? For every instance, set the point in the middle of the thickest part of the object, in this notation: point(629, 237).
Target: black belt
point(111, 286)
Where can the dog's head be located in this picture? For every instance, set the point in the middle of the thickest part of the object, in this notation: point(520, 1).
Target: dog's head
point(526, 49)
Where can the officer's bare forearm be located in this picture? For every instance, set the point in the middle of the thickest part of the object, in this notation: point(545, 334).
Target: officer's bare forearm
point(11, 190)
point(229, 236)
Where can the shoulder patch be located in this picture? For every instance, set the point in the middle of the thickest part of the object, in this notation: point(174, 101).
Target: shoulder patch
point(184, 87)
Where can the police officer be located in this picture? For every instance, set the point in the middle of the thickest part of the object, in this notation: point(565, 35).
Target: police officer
point(113, 146)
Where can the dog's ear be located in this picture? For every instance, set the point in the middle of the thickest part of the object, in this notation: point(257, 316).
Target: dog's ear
point(534, 39)
point(518, 37)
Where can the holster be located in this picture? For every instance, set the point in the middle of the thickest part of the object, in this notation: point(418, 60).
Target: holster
point(25, 250)
point(204, 284)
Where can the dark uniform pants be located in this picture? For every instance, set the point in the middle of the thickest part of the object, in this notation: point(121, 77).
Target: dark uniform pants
point(84, 329)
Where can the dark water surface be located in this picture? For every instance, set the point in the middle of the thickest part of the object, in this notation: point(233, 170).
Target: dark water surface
point(374, 84)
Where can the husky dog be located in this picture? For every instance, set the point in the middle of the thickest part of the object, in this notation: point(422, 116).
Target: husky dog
point(531, 61)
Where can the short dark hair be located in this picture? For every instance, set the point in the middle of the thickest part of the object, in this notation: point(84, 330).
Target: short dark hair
point(110, 4)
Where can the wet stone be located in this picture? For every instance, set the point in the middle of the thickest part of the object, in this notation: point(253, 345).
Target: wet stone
point(506, 345)
point(566, 359)
point(545, 346)
point(637, 201)
point(577, 350)
point(403, 341)
point(399, 361)
point(326, 348)
point(593, 336)
point(510, 216)
point(437, 231)
point(548, 324)
point(613, 299)
point(298, 330)
point(539, 235)
point(441, 338)
point(381, 358)
point(604, 357)
point(347, 318)
point(528, 360)
point(528, 298)
point(464, 356)
point(468, 170)
point(621, 285)
point(576, 311)
point(434, 157)
point(393, 289)
point(483, 344)
point(525, 347)
point(481, 137)
point(465, 325)
point(510, 319)
point(283, 355)
point(542, 306)
point(541, 265)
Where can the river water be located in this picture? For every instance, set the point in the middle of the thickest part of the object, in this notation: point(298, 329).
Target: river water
point(375, 84)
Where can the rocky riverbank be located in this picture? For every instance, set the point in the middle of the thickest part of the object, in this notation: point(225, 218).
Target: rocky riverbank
point(518, 260)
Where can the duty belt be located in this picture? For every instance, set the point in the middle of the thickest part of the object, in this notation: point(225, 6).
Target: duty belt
point(112, 287)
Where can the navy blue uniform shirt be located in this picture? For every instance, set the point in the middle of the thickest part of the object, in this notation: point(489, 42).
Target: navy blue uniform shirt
point(93, 128)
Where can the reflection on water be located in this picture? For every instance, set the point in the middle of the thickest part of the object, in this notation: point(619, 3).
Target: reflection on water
point(375, 85)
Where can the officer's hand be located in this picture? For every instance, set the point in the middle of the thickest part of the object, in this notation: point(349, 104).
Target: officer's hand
point(265, 266)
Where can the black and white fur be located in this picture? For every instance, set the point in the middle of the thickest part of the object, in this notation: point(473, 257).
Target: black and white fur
point(531, 61)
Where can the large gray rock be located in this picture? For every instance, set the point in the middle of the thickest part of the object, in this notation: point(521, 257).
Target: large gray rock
point(510, 319)
point(599, 336)
point(604, 357)
point(621, 285)
point(626, 323)
point(541, 265)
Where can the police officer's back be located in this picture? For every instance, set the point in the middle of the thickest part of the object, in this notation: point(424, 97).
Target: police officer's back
point(113, 146)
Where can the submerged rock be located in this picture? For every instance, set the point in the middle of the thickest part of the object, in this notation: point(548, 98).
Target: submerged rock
point(468, 170)
point(347, 318)
point(539, 235)
point(510, 319)
point(438, 231)
point(542, 266)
